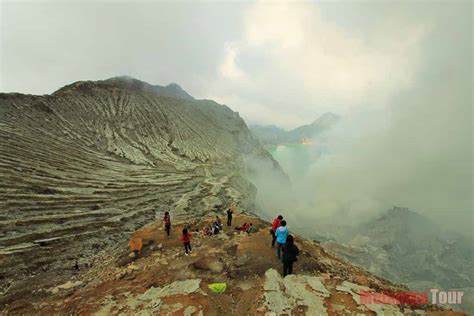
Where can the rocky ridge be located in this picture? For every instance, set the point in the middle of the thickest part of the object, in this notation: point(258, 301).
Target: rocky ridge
point(164, 281)
point(86, 166)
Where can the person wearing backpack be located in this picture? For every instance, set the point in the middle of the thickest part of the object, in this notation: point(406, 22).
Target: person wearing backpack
point(290, 254)
point(281, 234)
point(186, 239)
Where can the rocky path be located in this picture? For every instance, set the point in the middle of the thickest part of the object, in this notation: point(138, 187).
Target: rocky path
point(166, 282)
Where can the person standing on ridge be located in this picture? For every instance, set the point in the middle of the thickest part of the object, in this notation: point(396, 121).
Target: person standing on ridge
point(186, 239)
point(167, 221)
point(229, 217)
point(275, 225)
point(281, 234)
point(290, 254)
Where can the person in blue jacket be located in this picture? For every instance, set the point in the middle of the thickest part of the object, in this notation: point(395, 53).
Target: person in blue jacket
point(281, 233)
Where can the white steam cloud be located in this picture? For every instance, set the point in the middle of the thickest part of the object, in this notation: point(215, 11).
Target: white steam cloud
point(406, 141)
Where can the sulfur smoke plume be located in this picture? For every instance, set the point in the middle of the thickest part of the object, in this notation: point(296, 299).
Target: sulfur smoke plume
point(415, 151)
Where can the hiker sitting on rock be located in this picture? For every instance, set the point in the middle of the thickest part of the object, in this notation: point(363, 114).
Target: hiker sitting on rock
point(215, 229)
point(243, 228)
point(290, 254)
point(207, 231)
point(217, 226)
point(251, 229)
point(218, 222)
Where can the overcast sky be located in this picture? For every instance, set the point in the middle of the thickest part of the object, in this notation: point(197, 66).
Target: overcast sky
point(399, 73)
point(282, 63)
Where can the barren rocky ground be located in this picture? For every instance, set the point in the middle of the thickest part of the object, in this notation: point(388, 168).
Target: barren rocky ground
point(164, 281)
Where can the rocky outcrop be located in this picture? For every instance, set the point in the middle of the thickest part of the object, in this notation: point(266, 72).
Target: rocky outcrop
point(283, 295)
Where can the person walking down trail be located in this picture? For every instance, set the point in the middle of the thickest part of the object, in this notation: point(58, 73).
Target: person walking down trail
point(290, 254)
point(167, 221)
point(229, 217)
point(281, 234)
point(276, 223)
point(186, 239)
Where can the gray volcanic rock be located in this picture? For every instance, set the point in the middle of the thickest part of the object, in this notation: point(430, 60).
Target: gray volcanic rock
point(84, 167)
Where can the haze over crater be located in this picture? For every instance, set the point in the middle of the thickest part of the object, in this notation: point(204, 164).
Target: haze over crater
point(399, 73)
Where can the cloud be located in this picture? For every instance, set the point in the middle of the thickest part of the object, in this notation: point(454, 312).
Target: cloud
point(46, 44)
point(398, 72)
point(292, 60)
point(405, 140)
point(258, 113)
point(228, 69)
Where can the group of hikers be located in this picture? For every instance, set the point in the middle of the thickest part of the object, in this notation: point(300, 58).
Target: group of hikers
point(213, 229)
point(286, 250)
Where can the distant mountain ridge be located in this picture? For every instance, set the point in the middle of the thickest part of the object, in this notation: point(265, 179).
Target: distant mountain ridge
point(273, 135)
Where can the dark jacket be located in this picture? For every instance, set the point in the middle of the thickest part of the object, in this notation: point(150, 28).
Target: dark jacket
point(290, 252)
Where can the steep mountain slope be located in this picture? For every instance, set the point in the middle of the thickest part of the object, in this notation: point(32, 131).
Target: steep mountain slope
point(272, 135)
point(87, 165)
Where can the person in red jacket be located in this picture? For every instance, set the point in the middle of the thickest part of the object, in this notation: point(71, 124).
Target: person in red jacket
point(276, 223)
point(186, 239)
